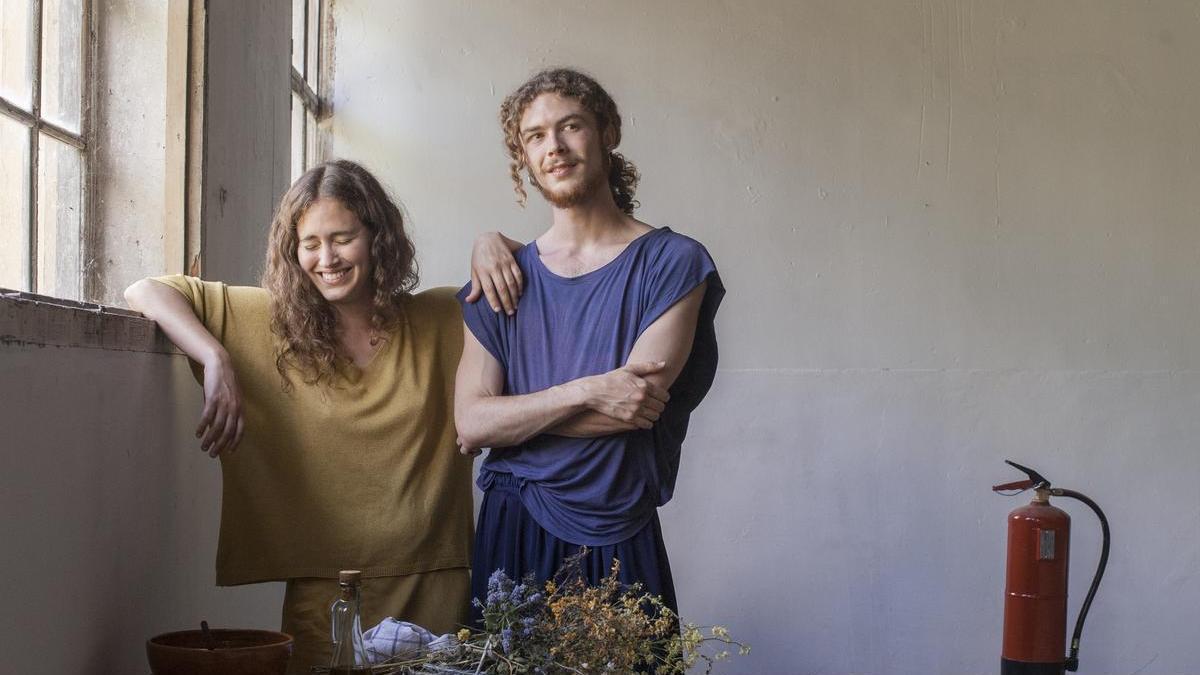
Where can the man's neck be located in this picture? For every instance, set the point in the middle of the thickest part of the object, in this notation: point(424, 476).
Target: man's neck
point(596, 222)
point(587, 236)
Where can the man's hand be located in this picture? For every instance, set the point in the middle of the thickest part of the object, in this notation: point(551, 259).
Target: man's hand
point(221, 422)
point(495, 273)
point(626, 395)
point(466, 449)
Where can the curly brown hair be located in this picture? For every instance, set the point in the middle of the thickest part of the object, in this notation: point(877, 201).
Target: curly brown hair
point(303, 320)
point(622, 174)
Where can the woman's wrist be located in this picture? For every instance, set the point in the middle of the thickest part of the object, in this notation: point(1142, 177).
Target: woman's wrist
point(214, 356)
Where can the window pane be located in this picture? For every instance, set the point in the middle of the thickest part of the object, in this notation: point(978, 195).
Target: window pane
point(14, 204)
point(16, 58)
point(298, 35)
point(310, 141)
point(314, 43)
point(297, 137)
point(62, 61)
point(60, 214)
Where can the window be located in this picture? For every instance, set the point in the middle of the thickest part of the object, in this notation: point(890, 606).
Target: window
point(113, 167)
point(309, 83)
point(45, 49)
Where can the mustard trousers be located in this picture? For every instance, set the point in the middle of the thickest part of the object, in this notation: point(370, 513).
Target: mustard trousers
point(436, 600)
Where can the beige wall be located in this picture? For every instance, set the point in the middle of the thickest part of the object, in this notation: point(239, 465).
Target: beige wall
point(952, 232)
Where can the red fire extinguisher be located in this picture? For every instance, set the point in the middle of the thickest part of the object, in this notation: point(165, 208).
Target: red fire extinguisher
point(1035, 593)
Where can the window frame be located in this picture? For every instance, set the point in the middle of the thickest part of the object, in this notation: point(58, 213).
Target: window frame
point(37, 125)
point(311, 83)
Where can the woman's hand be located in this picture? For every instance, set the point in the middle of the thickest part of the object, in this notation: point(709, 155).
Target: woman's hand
point(221, 422)
point(495, 273)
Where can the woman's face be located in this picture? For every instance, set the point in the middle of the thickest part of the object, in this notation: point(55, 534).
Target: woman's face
point(335, 253)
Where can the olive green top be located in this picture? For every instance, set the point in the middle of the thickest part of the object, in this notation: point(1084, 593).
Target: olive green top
point(363, 474)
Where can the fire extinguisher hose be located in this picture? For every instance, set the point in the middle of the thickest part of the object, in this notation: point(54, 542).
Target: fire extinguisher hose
point(1072, 663)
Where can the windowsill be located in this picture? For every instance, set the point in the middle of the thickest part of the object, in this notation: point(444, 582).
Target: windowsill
point(29, 319)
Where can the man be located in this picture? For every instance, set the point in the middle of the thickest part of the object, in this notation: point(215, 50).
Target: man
point(584, 392)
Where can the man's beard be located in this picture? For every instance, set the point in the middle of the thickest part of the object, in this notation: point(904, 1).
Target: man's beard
point(582, 192)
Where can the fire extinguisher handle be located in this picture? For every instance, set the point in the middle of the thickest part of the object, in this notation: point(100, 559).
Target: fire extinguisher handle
point(1038, 479)
point(1072, 663)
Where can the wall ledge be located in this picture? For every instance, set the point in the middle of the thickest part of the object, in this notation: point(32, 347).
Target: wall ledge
point(30, 319)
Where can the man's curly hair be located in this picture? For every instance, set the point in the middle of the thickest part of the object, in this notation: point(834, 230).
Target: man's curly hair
point(304, 322)
point(622, 174)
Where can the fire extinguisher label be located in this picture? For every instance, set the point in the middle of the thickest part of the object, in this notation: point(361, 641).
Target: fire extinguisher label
point(1045, 544)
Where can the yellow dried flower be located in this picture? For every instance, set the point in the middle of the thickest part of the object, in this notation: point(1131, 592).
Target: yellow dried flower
point(575, 627)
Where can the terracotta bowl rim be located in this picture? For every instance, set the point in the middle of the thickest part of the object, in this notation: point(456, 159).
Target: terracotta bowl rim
point(282, 639)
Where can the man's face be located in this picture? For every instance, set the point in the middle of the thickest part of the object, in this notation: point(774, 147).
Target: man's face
point(563, 149)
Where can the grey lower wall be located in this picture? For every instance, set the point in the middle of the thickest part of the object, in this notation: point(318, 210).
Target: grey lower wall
point(952, 233)
point(110, 512)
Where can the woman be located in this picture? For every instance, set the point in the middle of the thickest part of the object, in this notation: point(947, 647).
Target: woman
point(336, 383)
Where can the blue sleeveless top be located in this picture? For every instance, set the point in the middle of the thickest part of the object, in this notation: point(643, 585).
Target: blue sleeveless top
point(598, 491)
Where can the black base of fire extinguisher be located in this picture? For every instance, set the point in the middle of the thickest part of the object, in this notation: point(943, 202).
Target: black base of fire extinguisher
point(1008, 667)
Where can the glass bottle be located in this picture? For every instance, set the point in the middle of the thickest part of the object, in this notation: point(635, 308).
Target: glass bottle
point(349, 653)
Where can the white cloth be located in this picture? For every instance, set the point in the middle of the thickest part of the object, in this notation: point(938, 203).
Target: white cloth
point(393, 638)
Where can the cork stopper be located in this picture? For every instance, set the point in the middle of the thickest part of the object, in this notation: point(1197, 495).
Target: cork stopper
point(351, 577)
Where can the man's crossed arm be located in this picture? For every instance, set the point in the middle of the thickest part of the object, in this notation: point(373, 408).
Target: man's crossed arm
point(630, 397)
